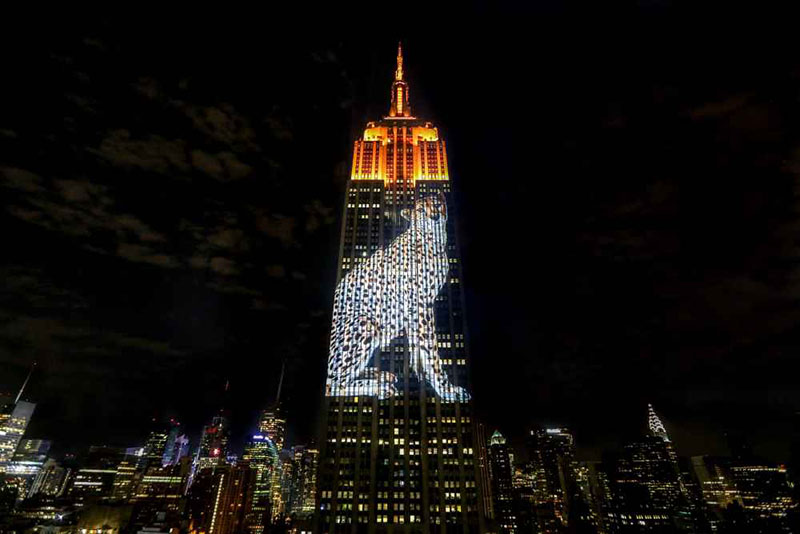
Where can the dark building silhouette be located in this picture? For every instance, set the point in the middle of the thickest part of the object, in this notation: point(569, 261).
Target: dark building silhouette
point(644, 488)
point(500, 475)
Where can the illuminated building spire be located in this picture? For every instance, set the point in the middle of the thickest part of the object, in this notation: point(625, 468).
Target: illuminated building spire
point(497, 438)
point(398, 74)
point(280, 383)
point(657, 428)
point(22, 389)
point(400, 106)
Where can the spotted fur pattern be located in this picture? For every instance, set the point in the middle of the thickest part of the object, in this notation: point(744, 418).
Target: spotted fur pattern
point(391, 295)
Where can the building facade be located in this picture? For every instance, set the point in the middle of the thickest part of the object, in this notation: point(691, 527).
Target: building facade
point(213, 447)
point(398, 448)
point(25, 465)
point(303, 483)
point(217, 502)
point(501, 469)
point(14, 419)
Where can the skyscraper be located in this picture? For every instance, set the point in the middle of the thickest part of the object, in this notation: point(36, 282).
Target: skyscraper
point(262, 452)
point(213, 443)
point(217, 502)
point(551, 452)
point(50, 480)
point(398, 443)
point(304, 481)
point(644, 488)
point(500, 469)
point(26, 463)
point(14, 421)
point(263, 457)
point(655, 425)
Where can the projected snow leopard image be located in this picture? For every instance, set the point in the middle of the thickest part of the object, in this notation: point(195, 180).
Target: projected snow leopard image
point(390, 295)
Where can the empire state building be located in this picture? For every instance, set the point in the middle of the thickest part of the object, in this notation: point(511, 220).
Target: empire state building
point(398, 451)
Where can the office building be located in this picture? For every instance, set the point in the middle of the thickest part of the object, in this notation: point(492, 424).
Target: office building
point(217, 502)
point(500, 475)
point(398, 448)
point(14, 419)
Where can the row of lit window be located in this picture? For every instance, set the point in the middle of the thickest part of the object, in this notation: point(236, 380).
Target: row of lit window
point(448, 361)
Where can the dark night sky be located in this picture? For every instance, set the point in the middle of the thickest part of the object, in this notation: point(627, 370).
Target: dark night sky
point(629, 208)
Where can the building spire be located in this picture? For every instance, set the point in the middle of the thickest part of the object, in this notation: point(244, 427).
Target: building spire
point(280, 383)
point(400, 106)
point(398, 74)
point(497, 438)
point(22, 389)
point(657, 428)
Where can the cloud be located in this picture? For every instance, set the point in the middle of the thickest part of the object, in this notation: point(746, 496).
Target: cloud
point(80, 208)
point(317, 214)
point(276, 271)
point(31, 288)
point(223, 266)
point(152, 153)
point(128, 224)
point(228, 238)
point(222, 124)
point(60, 336)
point(278, 226)
point(81, 191)
point(144, 254)
point(222, 166)
point(721, 108)
point(280, 128)
point(21, 179)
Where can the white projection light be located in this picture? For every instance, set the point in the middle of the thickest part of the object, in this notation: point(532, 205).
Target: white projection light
point(391, 295)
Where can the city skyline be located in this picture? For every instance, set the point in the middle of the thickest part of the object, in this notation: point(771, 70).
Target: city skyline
point(661, 271)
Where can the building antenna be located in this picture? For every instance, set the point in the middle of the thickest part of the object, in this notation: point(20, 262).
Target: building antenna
point(280, 382)
point(25, 383)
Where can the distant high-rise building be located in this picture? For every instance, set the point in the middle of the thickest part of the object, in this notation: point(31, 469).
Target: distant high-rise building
point(655, 425)
point(764, 491)
point(14, 419)
point(482, 458)
point(397, 448)
point(281, 504)
point(551, 452)
point(51, 479)
point(165, 445)
point(263, 456)
point(177, 447)
point(500, 475)
point(159, 492)
point(644, 487)
point(154, 447)
point(29, 457)
point(124, 478)
point(213, 447)
point(26, 463)
point(272, 425)
point(94, 480)
point(304, 481)
point(217, 502)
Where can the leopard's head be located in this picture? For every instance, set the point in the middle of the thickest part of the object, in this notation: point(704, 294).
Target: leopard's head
point(429, 208)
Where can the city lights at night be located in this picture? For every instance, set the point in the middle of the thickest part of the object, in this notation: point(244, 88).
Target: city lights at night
point(512, 269)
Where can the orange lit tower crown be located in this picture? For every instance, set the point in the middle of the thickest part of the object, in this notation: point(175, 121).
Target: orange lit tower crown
point(400, 149)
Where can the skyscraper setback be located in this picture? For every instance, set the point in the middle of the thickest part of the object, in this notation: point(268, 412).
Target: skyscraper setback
point(398, 445)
